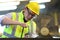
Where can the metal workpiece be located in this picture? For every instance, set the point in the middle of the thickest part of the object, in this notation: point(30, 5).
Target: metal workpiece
point(48, 25)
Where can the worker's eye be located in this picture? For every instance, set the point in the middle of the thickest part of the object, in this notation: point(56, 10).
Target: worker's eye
point(31, 13)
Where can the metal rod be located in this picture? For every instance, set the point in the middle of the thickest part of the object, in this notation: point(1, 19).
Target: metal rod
point(22, 32)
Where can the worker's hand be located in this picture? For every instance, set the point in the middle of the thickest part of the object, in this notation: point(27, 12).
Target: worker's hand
point(24, 25)
point(27, 36)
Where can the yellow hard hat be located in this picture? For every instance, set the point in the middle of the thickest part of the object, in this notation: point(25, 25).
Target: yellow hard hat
point(34, 6)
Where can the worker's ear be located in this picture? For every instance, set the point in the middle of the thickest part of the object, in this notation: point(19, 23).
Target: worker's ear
point(23, 11)
point(25, 8)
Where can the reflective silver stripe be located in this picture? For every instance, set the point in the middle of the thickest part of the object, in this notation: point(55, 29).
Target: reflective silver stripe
point(13, 32)
point(31, 26)
point(9, 35)
point(14, 29)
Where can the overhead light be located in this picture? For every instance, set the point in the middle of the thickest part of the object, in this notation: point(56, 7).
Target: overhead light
point(23, 0)
point(59, 29)
point(9, 0)
point(7, 8)
point(40, 1)
point(9, 3)
point(56, 37)
point(42, 6)
point(1, 16)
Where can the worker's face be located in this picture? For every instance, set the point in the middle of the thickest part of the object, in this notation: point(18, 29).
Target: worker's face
point(28, 14)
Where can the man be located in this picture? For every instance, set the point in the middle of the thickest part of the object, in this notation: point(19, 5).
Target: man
point(17, 23)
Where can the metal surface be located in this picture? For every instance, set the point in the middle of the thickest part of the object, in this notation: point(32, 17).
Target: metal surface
point(44, 31)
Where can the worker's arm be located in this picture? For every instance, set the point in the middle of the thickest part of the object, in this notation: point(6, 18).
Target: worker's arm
point(8, 20)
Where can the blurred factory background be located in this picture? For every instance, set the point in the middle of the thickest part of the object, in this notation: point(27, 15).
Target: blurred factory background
point(48, 22)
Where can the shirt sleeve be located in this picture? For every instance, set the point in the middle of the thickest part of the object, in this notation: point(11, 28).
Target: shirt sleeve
point(3, 16)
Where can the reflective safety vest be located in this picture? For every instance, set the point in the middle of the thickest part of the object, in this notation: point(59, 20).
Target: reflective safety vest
point(15, 31)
